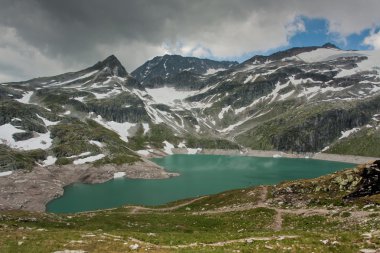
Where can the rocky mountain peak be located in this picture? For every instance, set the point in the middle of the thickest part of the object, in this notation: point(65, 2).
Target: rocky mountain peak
point(330, 45)
point(177, 70)
point(114, 65)
point(288, 53)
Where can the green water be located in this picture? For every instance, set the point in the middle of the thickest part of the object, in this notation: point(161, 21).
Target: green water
point(200, 175)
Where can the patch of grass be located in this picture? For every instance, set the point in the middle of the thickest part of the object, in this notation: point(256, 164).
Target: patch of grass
point(11, 159)
point(345, 214)
point(362, 143)
point(312, 127)
point(209, 143)
point(228, 198)
point(159, 133)
point(72, 137)
point(307, 223)
point(62, 161)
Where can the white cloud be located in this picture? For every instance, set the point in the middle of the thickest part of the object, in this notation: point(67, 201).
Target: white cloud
point(46, 37)
point(201, 52)
point(373, 40)
point(294, 27)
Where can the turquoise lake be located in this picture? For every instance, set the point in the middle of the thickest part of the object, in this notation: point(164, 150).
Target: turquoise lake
point(200, 175)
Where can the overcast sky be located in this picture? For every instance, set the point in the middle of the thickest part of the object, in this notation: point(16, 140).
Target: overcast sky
point(47, 37)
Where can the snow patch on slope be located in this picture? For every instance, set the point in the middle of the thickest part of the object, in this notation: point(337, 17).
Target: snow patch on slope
point(223, 111)
point(168, 147)
point(80, 155)
point(50, 160)
point(143, 152)
point(96, 143)
point(146, 127)
point(211, 71)
point(370, 64)
point(318, 55)
point(47, 122)
point(168, 95)
point(89, 159)
point(25, 98)
point(42, 141)
point(347, 133)
point(120, 128)
point(73, 80)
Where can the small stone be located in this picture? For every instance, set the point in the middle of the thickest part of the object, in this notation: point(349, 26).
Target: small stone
point(134, 246)
point(368, 251)
point(367, 235)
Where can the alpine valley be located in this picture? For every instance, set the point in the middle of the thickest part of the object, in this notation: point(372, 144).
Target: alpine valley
point(102, 122)
point(304, 100)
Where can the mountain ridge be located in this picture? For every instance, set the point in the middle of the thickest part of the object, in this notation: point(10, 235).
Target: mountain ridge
point(167, 69)
point(312, 99)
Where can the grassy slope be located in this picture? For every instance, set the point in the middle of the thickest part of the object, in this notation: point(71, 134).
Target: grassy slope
point(363, 143)
point(115, 230)
point(315, 126)
point(72, 136)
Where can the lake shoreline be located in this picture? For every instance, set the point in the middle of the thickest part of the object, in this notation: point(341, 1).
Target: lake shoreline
point(200, 175)
point(32, 190)
point(280, 154)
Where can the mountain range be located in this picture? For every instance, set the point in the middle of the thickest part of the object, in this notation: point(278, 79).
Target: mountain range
point(307, 99)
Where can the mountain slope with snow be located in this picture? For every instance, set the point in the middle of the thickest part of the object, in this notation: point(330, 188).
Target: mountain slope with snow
point(301, 99)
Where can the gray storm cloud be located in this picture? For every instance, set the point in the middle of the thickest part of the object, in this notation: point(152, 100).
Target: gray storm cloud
point(48, 37)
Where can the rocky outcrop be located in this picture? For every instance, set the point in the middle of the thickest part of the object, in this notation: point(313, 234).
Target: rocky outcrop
point(335, 189)
point(369, 183)
point(176, 70)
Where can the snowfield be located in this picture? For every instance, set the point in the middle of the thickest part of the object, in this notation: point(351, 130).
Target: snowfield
point(42, 141)
point(26, 98)
point(168, 95)
point(120, 128)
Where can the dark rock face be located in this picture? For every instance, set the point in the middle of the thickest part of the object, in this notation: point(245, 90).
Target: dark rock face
point(370, 183)
point(319, 130)
point(113, 64)
point(176, 70)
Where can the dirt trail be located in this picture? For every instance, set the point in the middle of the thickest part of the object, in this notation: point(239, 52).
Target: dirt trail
point(263, 195)
point(136, 209)
point(278, 218)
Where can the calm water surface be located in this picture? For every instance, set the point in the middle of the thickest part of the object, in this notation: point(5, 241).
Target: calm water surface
point(200, 175)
